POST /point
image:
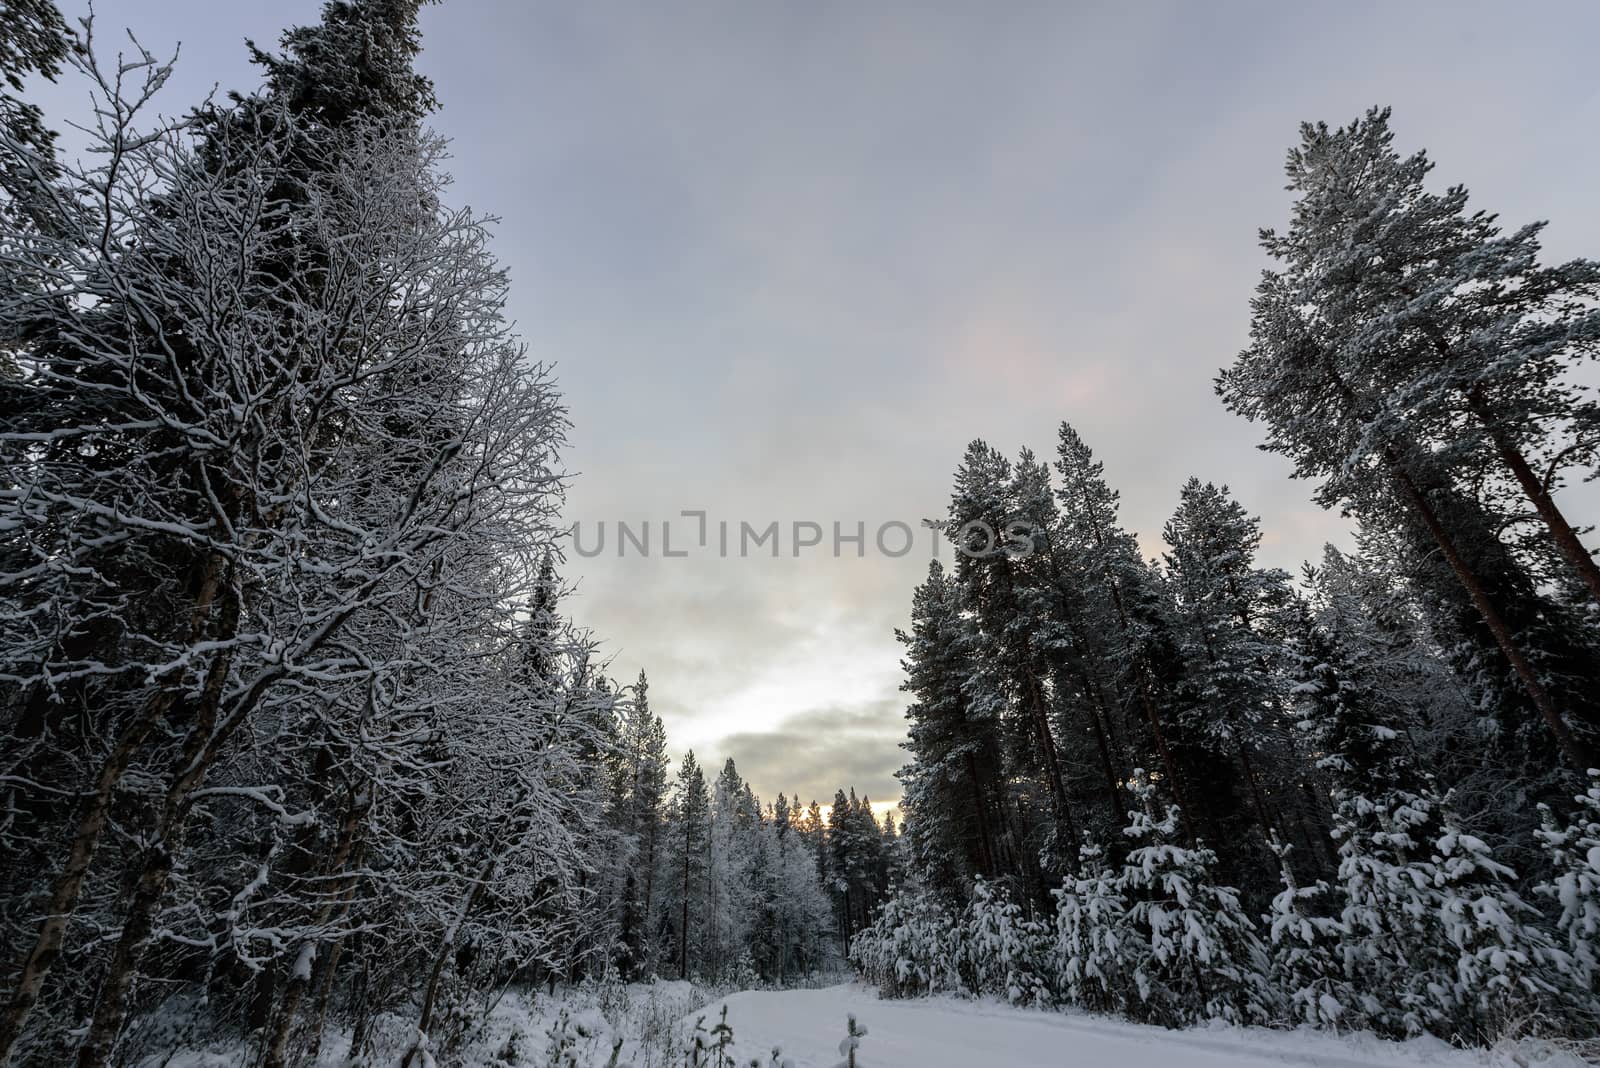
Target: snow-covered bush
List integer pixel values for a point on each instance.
(850, 1043)
(561, 1049)
(1574, 883)
(1195, 954)
(1306, 967)
(1506, 968)
(1092, 939)
(1003, 953)
(912, 947)
(1392, 946)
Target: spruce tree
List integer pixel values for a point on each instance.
(689, 836)
(1506, 968)
(1307, 969)
(1094, 944)
(642, 793)
(1572, 849)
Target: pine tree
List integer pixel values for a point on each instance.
(690, 838)
(1198, 957)
(1573, 851)
(989, 521)
(1229, 616)
(1094, 944)
(952, 782)
(843, 865)
(1126, 613)
(1366, 357)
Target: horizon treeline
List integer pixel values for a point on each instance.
(1401, 734)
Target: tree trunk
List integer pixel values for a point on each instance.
(447, 944)
(986, 857)
(1169, 765)
(1533, 487)
(1574, 750)
(683, 924)
(289, 1005)
(51, 932)
(1141, 671)
(1100, 722)
(58, 912)
(199, 751)
(1052, 766)
(1267, 827)
(204, 744)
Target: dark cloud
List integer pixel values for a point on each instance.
(825, 750)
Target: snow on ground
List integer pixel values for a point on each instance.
(656, 1018)
(952, 1033)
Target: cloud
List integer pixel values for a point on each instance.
(791, 259)
(823, 750)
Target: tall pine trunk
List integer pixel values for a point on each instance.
(683, 923)
(1533, 487)
(1047, 753)
(980, 807)
(1574, 750)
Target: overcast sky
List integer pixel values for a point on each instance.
(790, 258)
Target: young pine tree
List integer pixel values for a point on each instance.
(1573, 888)
(1196, 955)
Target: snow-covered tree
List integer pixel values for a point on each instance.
(1126, 622)
(1093, 940)
(1195, 953)
(684, 898)
(1573, 887)
(1307, 970)
(912, 947)
(640, 795)
(1005, 954)
(1402, 344)
(952, 782)
(1228, 607)
(1506, 968)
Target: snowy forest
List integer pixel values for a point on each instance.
(1196, 788)
(294, 729)
(299, 736)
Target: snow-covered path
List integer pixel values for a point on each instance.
(950, 1033)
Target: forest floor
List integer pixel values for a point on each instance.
(657, 1019)
(953, 1033)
